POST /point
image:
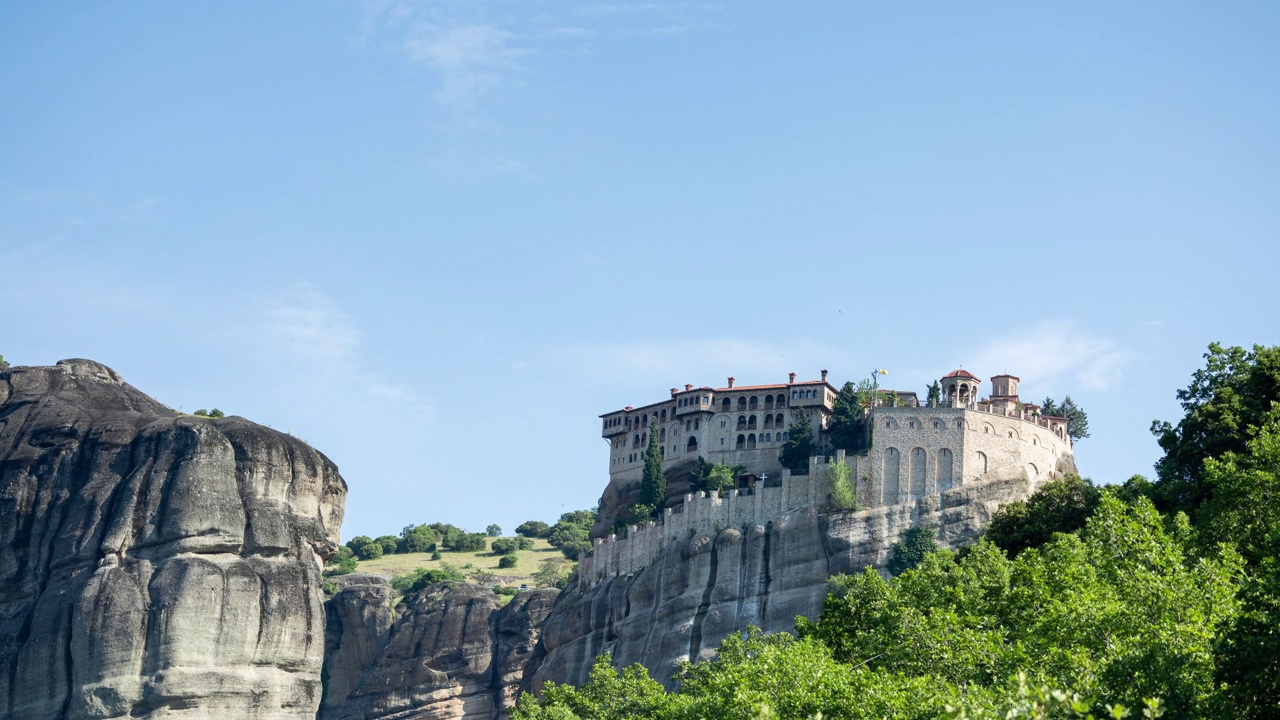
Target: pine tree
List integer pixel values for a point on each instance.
(799, 446)
(935, 395)
(846, 419)
(653, 486)
(1077, 419)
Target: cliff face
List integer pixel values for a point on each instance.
(154, 564)
(451, 653)
(716, 583)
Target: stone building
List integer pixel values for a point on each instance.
(914, 450)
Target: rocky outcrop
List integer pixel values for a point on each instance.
(154, 564)
(715, 583)
(452, 652)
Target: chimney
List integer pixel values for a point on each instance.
(687, 388)
(792, 377)
(824, 376)
(673, 392)
(730, 382)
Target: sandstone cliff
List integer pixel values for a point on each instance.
(715, 583)
(451, 653)
(154, 564)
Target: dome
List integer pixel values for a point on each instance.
(960, 374)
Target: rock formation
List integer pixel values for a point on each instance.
(718, 582)
(154, 564)
(452, 652)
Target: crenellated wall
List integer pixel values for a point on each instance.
(915, 452)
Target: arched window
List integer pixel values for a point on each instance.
(782, 399)
(664, 415)
(892, 465)
(982, 464)
(944, 469)
(662, 435)
(662, 451)
(692, 445)
(768, 421)
(742, 403)
(751, 423)
(768, 402)
(725, 405)
(742, 442)
(768, 437)
(751, 441)
(777, 420)
(753, 403)
(742, 422)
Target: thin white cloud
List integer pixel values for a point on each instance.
(700, 362)
(1054, 353)
(321, 350)
(469, 60)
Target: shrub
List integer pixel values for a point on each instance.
(843, 496)
(390, 544)
(507, 561)
(533, 529)
(524, 543)
(507, 590)
(422, 577)
(504, 546)
(3, 365)
(355, 542)
(369, 551)
(554, 573)
(910, 549)
(341, 565)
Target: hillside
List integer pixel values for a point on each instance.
(528, 562)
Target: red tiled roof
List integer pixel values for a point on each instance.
(960, 374)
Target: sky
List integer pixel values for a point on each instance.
(437, 239)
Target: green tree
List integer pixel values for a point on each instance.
(493, 530)
(390, 544)
(571, 534)
(607, 695)
(533, 529)
(355, 542)
(504, 546)
(1077, 419)
(846, 420)
(911, 548)
(423, 578)
(555, 572)
(369, 551)
(934, 398)
(653, 484)
(3, 364)
(799, 445)
(523, 543)
(843, 492)
(507, 561)
(1233, 392)
(1128, 609)
(1059, 506)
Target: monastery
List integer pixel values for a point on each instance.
(914, 449)
(920, 459)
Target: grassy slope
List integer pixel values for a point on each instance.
(528, 562)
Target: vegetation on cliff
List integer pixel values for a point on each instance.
(1159, 597)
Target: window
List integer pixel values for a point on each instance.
(751, 423)
(723, 423)
(742, 442)
(692, 445)
(725, 404)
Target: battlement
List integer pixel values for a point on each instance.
(706, 512)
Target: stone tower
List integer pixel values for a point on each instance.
(960, 388)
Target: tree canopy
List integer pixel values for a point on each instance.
(799, 445)
(1232, 393)
(1077, 419)
(653, 484)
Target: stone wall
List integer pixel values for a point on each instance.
(916, 452)
(705, 512)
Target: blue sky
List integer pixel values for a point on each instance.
(437, 239)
